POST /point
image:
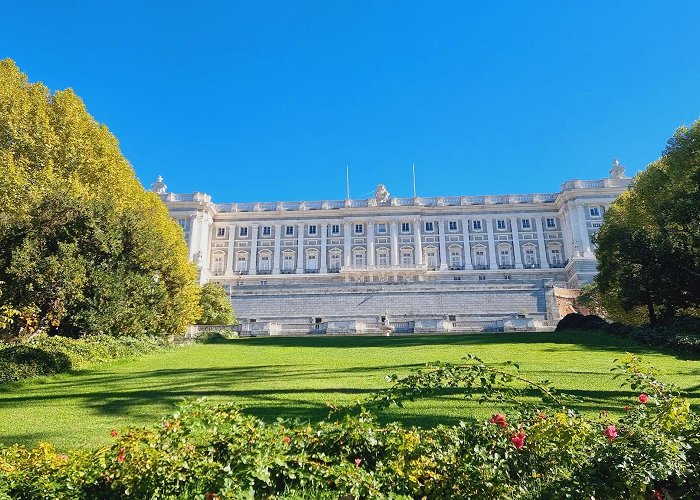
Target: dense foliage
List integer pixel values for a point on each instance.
(649, 246)
(83, 248)
(45, 355)
(216, 306)
(543, 451)
(680, 334)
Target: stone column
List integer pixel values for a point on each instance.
(276, 255)
(231, 249)
(347, 248)
(194, 229)
(394, 243)
(466, 246)
(544, 263)
(567, 233)
(300, 248)
(324, 245)
(417, 243)
(516, 243)
(493, 262)
(253, 266)
(583, 228)
(443, 245)
(370, 243)
(207, 231)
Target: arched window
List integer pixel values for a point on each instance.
(242, 262)
(265, 261)
(288, 261)
(479, 256)
(431, 257)
(383, 257)
(455, 256)
(336, 257)
(358, 257)
(556, 259)
(312, 260)
(530, 257)
(217, 263)
(504, 256)
(406, 256)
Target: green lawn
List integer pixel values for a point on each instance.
(296, 376)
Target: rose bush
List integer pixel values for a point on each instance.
(543, 450)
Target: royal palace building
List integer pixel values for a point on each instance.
(453, 263)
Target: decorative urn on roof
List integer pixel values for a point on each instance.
(159, 186)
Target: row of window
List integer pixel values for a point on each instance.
(359, 229)
(504, 259)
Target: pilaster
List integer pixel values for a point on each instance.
(466, 247)
(231, 249)
(493, 262)
(324, 246)
(417, 243)
(253, 266)
(276, 255)
(370, 243)
(544, 263)
(300, 248)
(443, 245)
(347, 244)
(516, 243)
(394, 243)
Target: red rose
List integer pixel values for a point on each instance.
(541, 415)
(643, 398)
(114, 433)
(627, 408)
(518, 440)
(122, 455)
(499, 420)
(610, 432)
(287, 439)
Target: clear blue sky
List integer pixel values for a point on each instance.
(270, 100)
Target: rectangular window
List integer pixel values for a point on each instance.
(476, 225)
(359, 229)
(312, 229)
(526, 224)
(243, 232)
(289, 230)
(381, 228)
(220, 232)
(335, 228)
(551, 223)
(594, 211)
(266, 231)
(501, 224)
(429, 227)
(453, 225)
(405, 227)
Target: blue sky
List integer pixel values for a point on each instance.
(271, 100)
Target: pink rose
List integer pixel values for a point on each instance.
(518, 440)
(358, 461)
(499, 420)
(643, 398)
(610, 432)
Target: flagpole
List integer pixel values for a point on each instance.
(414, 179)
(347, 180)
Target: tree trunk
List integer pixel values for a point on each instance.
(652, 313)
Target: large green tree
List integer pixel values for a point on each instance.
(83, 247)
(649, 246)
(216, 306)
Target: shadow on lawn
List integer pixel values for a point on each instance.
(596, 341)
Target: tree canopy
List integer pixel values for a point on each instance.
(649, 246)
(83, 247)
(216, 306)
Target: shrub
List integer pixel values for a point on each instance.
(46, 355)
(547, 450)
(576, 321)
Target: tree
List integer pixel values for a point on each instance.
(649, 246)
(216, 306)
(83, 247)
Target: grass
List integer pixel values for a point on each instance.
(296, 376)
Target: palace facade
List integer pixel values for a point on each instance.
(419, 264)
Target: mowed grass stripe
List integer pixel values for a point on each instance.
(295, 377)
